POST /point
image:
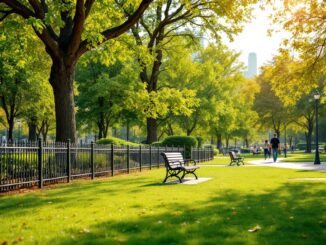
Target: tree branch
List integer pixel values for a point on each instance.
(118, 30)
(77, 31)
(19, 8)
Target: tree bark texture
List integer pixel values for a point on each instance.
(151, 130)
(32, 130)
(62, 79)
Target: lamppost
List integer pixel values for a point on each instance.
(316, 97)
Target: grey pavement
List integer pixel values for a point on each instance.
(291, 165)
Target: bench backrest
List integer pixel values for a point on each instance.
(172, 159)
(232, 155)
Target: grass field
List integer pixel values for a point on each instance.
(137, 209)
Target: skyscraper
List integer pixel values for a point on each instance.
(252, 66)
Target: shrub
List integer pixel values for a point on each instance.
(115, 141)
(209, 146)
(157, 143)
(301, 146)
(216, 152)
(187, 141)
(245, 150)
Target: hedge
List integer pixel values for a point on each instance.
(115, 141)
(182, 141)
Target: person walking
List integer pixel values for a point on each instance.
(275, 147)
(266, 150)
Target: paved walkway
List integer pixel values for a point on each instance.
(292, 165)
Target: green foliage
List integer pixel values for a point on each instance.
(216, 152)
(182, 141)
(199, 141)
(301, 146)
(115, 141)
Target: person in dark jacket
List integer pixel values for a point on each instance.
(275, 143)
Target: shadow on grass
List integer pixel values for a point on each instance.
(67, 194)
(291, 214)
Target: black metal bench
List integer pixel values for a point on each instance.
(175, 165)
(235, 159)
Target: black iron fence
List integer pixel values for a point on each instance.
(38, 164)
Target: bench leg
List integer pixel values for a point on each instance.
(171, 173)
(166, 176)
(183, 175)
(194, 174)
(190, 172)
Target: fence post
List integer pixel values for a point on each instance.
(150, 157)
(198, 154)
(40, 161)
(184, 152)
(68, 162)
(92, 160)
(112, 159)
(140, 158)
(128, 158)
(158, 157)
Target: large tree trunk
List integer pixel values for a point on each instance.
(62, 79)
(32, 128)
(151, 130)
(219, 141)
(247, 142)
(308, 141)
(128, 130)
(10, 130)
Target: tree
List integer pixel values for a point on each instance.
(271, 110)
(103, 92)
(167, 21)
(16, 89)
(68, 29)
(305, 20)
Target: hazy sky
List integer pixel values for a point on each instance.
(254, 38)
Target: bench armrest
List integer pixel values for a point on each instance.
(187, 161)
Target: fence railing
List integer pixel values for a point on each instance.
(202, 154)
(40, 163)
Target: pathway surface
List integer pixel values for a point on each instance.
(292, 165)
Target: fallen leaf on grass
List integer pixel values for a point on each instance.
(4, 243)
(19, 239)
(84, 230)
(255, 229)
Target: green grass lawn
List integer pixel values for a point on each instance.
(137, 209)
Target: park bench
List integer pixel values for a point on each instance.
(235, 159)
(175, 165)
